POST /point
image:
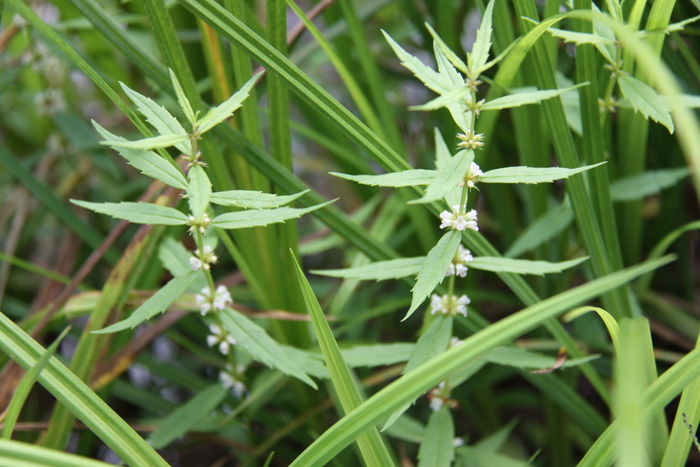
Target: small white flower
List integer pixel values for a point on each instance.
(455, 341)
(449, 304)
(458, 442)
(195, 263)
(436, 404)
(228, 380)
(198, 225)
(221, 337)
(206, 302)
(458, 265)
(459, 220)
(473, 175)
(49, 102)
(204, 260)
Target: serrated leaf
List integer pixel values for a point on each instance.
(377, 354)
(479, 55)
(260, 218)
(252, 199)
(442, 157)
(432, 342)
(459, 111)
(525, 98)
(444, 100)
(148, 162)
(224, 110)
(158, 303)
(525, 359)
(679, 26)
(447, 179)
(645, 100)
(163, 141)
(395, 179)
(198, 191)
(579, 38)
(254, 340)
(174, 256)
(436, 449)
(522, 266)
(310, 363)
(138, 213)
(543, 229)
(449, 54)
(601, 29)
(379, 271)
(531, 174)
(160, 118)
(434, 268)
(645, 184)
(182, 99)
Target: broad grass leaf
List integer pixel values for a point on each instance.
(479, 55)
(434, 268)
(379, 271)
(198, 191)
(23, 454)
(162, 141)
(148, 162)
(543, 229)
(522, 266)
(645, 100)
(395, 179)
(525, 98)
(224, 110)
(531, 174)
(182, 99)
(188, 415)
(437, 449)
(431, 78)
(158, 303)
(138, 213)
(252, 199)
(259, 218)
(447, 179)
(377, 354)
(525, 359)
(254, 340)
(639, 186)
(162, 121)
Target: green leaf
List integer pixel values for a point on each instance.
(162, 121)
(259, 218)
(437, 449)
(608, 320)
(254, 340)
(163, 141)
(309, 362)
(379, 271)
(18, 454)
(25, 386)
(175, 258)
(371, 446)
(447, 179)
(459, 111)
(377, 354)
(395, 179)
(522, 266)
(252, 199)
(432, 342)
(543, 229)
(443, 156)
(645, 100)
(524, 359)
(449, 54)
(579, 38)
(638, 186)
(199, 191)
(494, 442)
(407, 429)
(434, 268)
(467, 456)
(138, 213)
(525, 98)
(184, 418)
(182, 99)
(443, 100)
(148, 162)
(531, 174)
(158, 303)
(224, 110)
(479, 55)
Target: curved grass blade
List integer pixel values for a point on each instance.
(18, 454)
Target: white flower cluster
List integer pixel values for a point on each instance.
(201, 225)
(228, 380)
(449, 304)
(470, 140)
(458, 266)
(221, 337)
(458, 219)
(206, 302)
(203, 260)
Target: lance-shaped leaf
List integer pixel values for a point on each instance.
(254, 340)
(259, 218)
(644, 99)
(224, 110)
(525, 98)
(459, 111)
(199, 191)
(673, 27)
(646, 184)
(252, 199)
(138, 213)
(521, 266)
(437, 448)
(443, 156)
(158, 303)
(182, 99)
(379, 271)
(449, 54)
(377, 354)
(160, 118)
(479, 55)
(543, 229)
(395, 179)
(444, 100)
(531, 174)
(148, 162)
(434, 268)
(447, 179)
(525, 359)
(163, 141)
(579, 38)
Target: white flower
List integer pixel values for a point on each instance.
(228, 380)
(458, 220)
(206, 303)
(200, 225)
(458, 442)
(473, 175)
(50, 101)
(220, 336)
(455, 341)
(458, 265)
(449, 304)
(195, 263)
(204, 260)
(436, 404)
